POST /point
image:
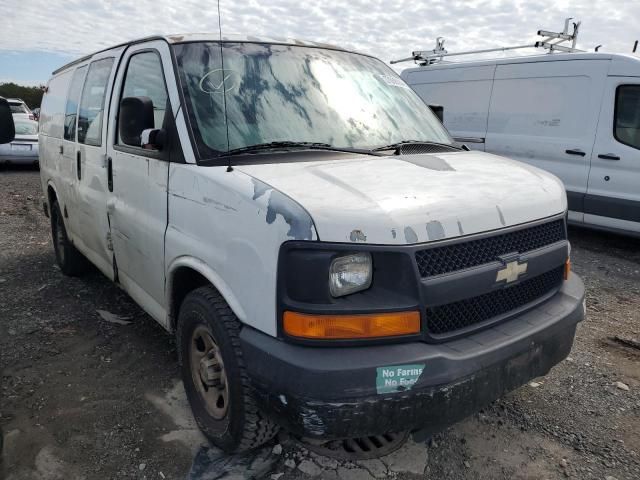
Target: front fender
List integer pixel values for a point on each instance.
(211, 275)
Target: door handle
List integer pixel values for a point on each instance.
(575, 151)
(61, 149)
(608, 156)
(109, 174)
(79, 165)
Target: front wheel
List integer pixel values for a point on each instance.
(214, 375)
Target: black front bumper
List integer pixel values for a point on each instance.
(328, 393)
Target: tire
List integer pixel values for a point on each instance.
(214, 375)
(70, 260)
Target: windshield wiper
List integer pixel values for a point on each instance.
(395, 146)
(298, 145)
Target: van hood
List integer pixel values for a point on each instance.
(414, 198)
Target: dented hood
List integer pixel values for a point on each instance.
(414, 198)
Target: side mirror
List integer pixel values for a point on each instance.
(7, 127)
(136, 116)
(153, 139)
(438, 110)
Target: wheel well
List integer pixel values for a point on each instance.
(184, 280)
(51, 195)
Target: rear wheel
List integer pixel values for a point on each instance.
(70, 260)
(214, 375)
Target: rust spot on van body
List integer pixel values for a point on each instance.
(435, 230)
(501, 215)
(357, 236)
(410, 235)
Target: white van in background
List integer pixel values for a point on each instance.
(576, 115)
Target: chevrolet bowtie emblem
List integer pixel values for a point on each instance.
(511, 272)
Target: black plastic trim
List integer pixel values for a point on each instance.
(575, 151)
(332, 393)
(603, 206)
(303, 286)
(472, 282)
(619, 208)
(402, 292)
(607, 156)
(493, 321)
(575, 201)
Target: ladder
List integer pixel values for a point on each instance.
(551, 41)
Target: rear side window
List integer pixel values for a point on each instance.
(28, 127)
(53, 105)
(71, 112)
(145, 78)
(92, 102)
(626, 126)
(18, 107)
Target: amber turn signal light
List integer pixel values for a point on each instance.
(344, 327)
(567, 268)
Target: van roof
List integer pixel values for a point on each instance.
(208, 37)
(624, 62)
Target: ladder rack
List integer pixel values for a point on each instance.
(552, 41)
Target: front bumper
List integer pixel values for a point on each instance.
(19, 159)
(328, 393)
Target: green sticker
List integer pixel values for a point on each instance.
(397, 378)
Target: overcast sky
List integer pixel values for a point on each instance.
(38, 35)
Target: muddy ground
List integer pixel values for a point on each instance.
(84, 398)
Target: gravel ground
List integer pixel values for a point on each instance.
(85, 398)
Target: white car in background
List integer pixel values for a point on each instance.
(19, 109)
(23, 150)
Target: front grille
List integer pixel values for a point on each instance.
(459, 256)
(471, 311)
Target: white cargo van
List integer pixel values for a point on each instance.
(329, 260)
(576, 115)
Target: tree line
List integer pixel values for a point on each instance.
(32, 96)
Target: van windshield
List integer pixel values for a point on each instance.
(285, 93)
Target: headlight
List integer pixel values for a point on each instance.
(350, 274)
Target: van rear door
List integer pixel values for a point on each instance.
(613, 197)
(546, 113)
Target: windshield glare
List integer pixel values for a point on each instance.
(290, 93)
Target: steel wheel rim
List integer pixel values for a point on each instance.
(208, 372)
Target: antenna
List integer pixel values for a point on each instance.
(551, 41)
(224, 88)
(635, 46)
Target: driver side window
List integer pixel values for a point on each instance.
(145, 79)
